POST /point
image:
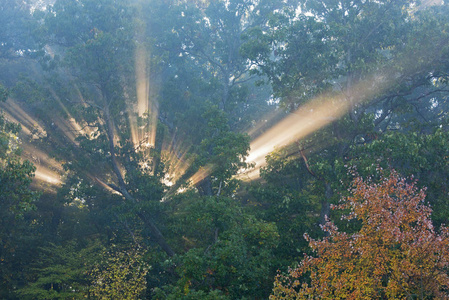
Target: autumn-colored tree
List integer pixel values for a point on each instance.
(395, 255)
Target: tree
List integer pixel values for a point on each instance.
(16, 200)
(96, 53)
(227, 251)
(423, 155)
(102, 59)
(210, 35)
(17, 23)
(396, 254)
(113, 184)
(287, 197)
(361, 54)
(205, 79)
(61, 272)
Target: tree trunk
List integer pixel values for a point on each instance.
(325, 203)
(205, 187)
(156, 234)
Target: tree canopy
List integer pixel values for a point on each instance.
(173, 149)
(396, 253)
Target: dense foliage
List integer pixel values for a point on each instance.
(127, 129)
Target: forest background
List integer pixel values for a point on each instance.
(182, 149)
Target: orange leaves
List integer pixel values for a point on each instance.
(396, 254)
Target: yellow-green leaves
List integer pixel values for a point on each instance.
(122, 276)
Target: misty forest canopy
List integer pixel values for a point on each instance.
(239, 149)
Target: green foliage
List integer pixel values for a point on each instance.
(223, 149)
(333, 48)
(228, 251)
(120, 275)
(207, 91)
(174, 293)
(16, 201)
(424, 156)
(15, 174)
(3, 93)
(202, 62)
(61, 272)
(29, 91)
(17, 25)
(9, 140)
(291, 199)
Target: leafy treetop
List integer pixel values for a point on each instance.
(396, 254)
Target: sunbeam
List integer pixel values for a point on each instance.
(48, 170)
(309, 118)
(142, 92)
(69, 126)
(143, 116)
(30, 126)
(40, 158)
(43, 174)
(175, 152)
(202, 173)
(146, 108)
(142, 82)
(181, 164)
(327, 108)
